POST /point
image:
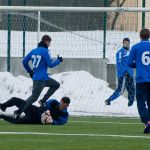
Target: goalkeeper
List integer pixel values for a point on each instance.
(41, 60)
(55, 114)
(124, 74)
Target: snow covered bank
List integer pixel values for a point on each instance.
(87, 93)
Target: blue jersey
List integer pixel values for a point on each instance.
(140, 58)
(41, 60)
(121, 61)
(60, 117)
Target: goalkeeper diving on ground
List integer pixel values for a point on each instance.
(124, 74)
(55, 114)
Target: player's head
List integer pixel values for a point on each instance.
(126, 43)
(64, 103)
(46, 39)
(145, 34)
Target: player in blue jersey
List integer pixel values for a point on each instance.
(139, 58)
(124, 74)
(55, 114)
(41, 60)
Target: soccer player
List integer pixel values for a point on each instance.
(139, 58)
(41, 60)
(124, 74)
(55, 114)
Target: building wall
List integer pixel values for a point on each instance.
(131, 21)
(97, 67)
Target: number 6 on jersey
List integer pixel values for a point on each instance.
(146, 58)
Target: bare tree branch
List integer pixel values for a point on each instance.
(114, 21)
(110, 2)
(117, 14)
(122, 3)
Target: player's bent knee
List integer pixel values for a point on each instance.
(57, 85)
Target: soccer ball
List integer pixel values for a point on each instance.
(46, 118)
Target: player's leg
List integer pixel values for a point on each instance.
(11, 119)
(129, 84)
(148, 99)
(147, 129)
(120, 89)
(32, 116)
(12, 102)
(141, 97)
(34, 113)
(36, 91)
(54, 85)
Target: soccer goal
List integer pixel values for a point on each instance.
(87, 38)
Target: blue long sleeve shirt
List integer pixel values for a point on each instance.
(41, 60)
(60, 117)
(121, 63)
(140, 58)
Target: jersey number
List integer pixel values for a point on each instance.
(146, 58)
(36, 60)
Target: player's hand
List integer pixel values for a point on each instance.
(49, 120)
(47, 112)
(127, 74)
(31, 74)
(60, 58)
(46, 118)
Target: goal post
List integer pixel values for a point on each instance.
(74, 9)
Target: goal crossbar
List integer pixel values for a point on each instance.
(74, 9)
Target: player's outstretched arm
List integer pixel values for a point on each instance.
(51, 63)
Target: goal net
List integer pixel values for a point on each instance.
(87, 38)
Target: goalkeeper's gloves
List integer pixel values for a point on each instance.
(31, 74)
(46, 118)
(49, 120)
(59, 58)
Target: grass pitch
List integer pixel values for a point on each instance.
(81, 133)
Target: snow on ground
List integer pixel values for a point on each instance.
(87, 93)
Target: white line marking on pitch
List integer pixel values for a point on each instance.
(94, 122)
(69, 134)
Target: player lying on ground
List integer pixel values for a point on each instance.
(56, 113)
(124, 74)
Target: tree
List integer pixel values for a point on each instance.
(119, 3)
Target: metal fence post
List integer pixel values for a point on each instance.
(104, 29)
(143, 14)
(38, 28)
(24, 31)
(8, 38)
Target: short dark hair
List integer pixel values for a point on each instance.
(66, 100)
(46, 38)
(126, 39)
(145, 34)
